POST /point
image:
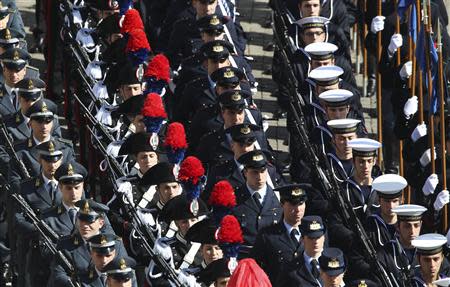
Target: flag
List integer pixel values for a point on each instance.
(402, 6)
(413, 23)
(421, 62)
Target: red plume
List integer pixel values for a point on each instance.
(132, 20)
(159, 68)
(230, 230)
(153, 107)
(191, 169)
(137, 40)
(222, 194)
(176, 136)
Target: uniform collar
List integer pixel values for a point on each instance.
(262, 191)
(68, 208)
(180, 238)
(8, 89)
(38, 142)
(290, 227)
(46, 180)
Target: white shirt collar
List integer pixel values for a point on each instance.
(46, 180)
(25, 118)
(8, 89)
(290, 227)
(262, 192)
(67, 207)
(38, 142)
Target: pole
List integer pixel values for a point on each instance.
(378, 79)
(442, 117)
(418, 73)
(364, 50)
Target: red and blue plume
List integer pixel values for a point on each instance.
(157, 74)
(124, 6)
(229, 236)
(222, 200)
(153, 112)
(132, 20)
(175, 142)
(137, 47)
(192, 177)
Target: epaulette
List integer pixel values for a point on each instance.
(65, 141)
(205, 107)
(32, 68)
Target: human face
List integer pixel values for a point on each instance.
(336, 113)
(309, 8)
(317, 63)
(49, 168)
(211, 252)
(71, 193)
(363, 166)
(313, 35)
(408, 231)
(293, 213)
(168, 190)
(341, 143)
(232, 117)
(215, 65)
(111, 282)
(146, 159)
(430, 265)
(256, 177)
(222, 282)
(113, 37)
(332, 281)
(241, 148)
(89, 229)
(42, 130)
(184, 225)
(313, 246)
(204, 9)
(386, 206)
(128, 91)
(12, 76)
(4, 22)
(101, 260)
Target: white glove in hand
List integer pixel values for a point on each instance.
(145, 217)
(419, 131)
(126, 189)
(430, 184)
(187, 280)
(377, 24)
(441, 200)
(406, 70)
(163, 249)
(411, 106)
(396, 42)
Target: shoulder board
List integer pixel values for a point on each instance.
(32, 68)
(66, 141)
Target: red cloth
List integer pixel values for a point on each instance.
(248, 274)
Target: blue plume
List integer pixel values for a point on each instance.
(175, 156)
(153, 125)
(124, 6)
(138, 57)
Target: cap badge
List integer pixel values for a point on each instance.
(75, 241)
(232, 264)
(44, 108)
(194, 207)
(154, 141)
(214, 20)
(228, 74)
(30, 84)
(51, 147)
(16, 56)
(7, 34)
(297, 192)
(362, 283)
(217, 48)
(85, 208)
(258, 157)
(315, 226)
(70, 171)
(245, 130)
(140, 73)
(334, 263)
(236, 97)
(113, 4)
(122, 264)
(103, 240)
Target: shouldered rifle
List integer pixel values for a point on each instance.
(47, 235)
(11, 151)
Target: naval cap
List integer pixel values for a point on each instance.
(233, 99)
(50, 151)
(42, 108)
(389, 185)
(332, 261)
(336, 97)
(30, 88)
(15, 58)
(294, 193)
(212, 23)
(243, 133)
(362, 283)
(343, 126)
(312, 22)
(217, 50)
(326, 75)
(227, 76)
(409, 212)
(430, 243)
(321, 51)
(364, 147)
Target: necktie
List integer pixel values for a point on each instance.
(50, 189)
(315, 268)
(257, 197)
(73, 215)
(15, 101)
(294, 234)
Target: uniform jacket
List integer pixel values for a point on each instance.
(297, 274)
(19, 129)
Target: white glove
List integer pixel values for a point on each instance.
(377, 24)
(441, 200)
(162, 248)
(406, 70)
(187, 280)
(126, 189)
(430, 184)
(146, 218)
(419, 131)
(113, 148)
(396, 42)
(411, 106)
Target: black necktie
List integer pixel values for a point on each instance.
(50, 189)
(315, 268)
(256, 196)
(294, 234)
(73, 215)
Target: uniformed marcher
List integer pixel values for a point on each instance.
(433, 265)
(332, 267)
(120, 272)
(9, 38)
(274, 246)
(381, 224)
(304, 270)
(216, 274)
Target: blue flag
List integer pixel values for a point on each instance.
(413, 23)
(403, 5)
